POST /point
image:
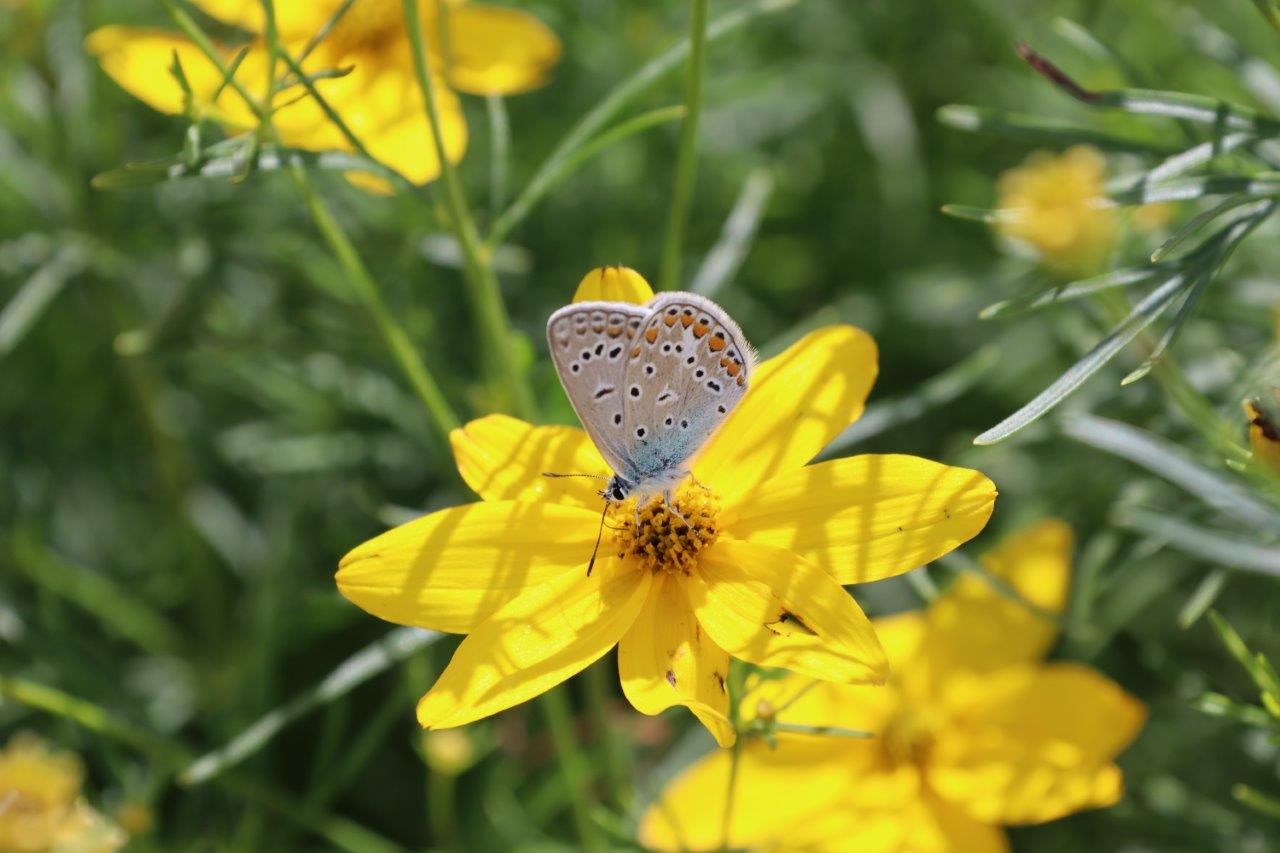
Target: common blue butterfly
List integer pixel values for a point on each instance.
(650, 383)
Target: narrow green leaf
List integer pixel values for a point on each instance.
(33, 298)
(545, 182)
(1264, 185)
(1143, 315)
(939, 390)
(1033, 128)
(1220, 547)
(1205, 594)
(1075, 290)
(1217, 705)
(623, 93)
(1168, 461)
(1262, 803)
(728, 253)
(972, 214)
(1199, 221)
(354, 671)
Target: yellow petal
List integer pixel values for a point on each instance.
(797, 403)
(613, 284)
(548, 633)
(294, 18)
(139, 61)
(974, 627)
(801, 700)
(767, 606)
(503, 458)
(490, 50)
(452, 569)
(381, 103)
(925, 825)
(665, 659)
(1032, 744)
(776, 790)
(867, 517)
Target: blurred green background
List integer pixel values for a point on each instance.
(196, 421)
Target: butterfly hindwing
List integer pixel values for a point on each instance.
(590, 343)
(688, 368)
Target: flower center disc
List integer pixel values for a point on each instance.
(909, 737)
(667, 538)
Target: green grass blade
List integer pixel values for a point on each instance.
(937, 391)
(354, 671)
(35, 296)
(1166, 460)
(1222, 548)
(726, 256)
(548, 174)
(973, 119)
(1143, 315)
(1075, 290)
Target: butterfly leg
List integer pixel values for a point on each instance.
(672, 508)
(699, 483)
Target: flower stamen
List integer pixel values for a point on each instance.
(667, 537)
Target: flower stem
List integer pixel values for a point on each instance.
(613, 749)
(482, 283)
(393, 334)
(737, 682)
(687, 150)
(573, 766)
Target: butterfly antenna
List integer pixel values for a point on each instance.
(555, 476)
(599, 535)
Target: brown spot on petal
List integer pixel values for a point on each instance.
(671, 677)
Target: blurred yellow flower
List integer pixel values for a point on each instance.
(40, 806)
(472, 48)
(1152, 217)
(1056, 204)
(448, 751)
(754, 569)
(1264, 433)
(973, 733)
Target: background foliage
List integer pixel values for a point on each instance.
(196, 420)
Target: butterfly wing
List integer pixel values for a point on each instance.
(689, 367)
(590, 342)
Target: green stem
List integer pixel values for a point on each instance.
(482, 283)
(395, 336)
(687, 150)
(442, 809)
(613, 749)
(170, 755)
(573, 766)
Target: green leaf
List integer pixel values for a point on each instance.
(1143, 315)
(1205, 594)
(1076, 289)
(973, 119)
(1222, 548)
(726, 256)
(1168, 461)
(1263, 185)
(972, 214)
(354, 671)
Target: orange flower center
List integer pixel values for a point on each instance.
(370, 26)
(667, 538)
(909, 736)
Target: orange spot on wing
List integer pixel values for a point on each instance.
(742, 380)
(700, 330)
(733, 369)
(669, 320)
(716, 344)
(686, 320)
(635, 353)
(614, 331)
(651, 335)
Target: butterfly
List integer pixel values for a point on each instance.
(651, 383)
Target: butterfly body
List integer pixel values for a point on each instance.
(650, 383)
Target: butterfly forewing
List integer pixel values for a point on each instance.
(590, 343)
(688, 368)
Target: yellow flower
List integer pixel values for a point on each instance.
(1264, 433)
(754, 568)
(1056, 204)
(40, 809)
(480, 50)
(974, 732)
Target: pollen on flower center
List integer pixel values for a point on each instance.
(909, 736)
(667, 538)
